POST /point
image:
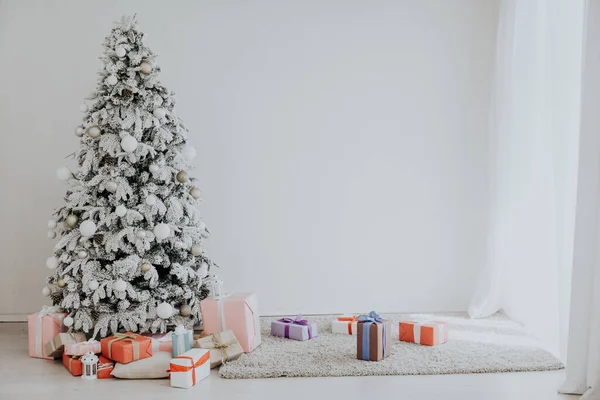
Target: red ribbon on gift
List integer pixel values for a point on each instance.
(187, 368)
(350, 320)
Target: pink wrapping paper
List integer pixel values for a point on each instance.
(79, 349)
(160, 341)
(237, 312)
(42, 327)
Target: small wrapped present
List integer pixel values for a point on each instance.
(223, 347)
(42, 327)
(429, 333)
(126, 347)
(189, 368)
(55, 347)
(345, 324)
(297, 328)
(75, 366)
(183, 339)
(79, 349)
(238, 312)
(160, 342)
(373, 337)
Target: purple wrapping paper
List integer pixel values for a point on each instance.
(296, 332)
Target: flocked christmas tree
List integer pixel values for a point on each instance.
(130, 249)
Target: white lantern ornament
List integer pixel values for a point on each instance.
(90, 366)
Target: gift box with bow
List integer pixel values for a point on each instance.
(345, 324)
(294, 328)
(161, 341)
(182, 340)
(223, 347)
(126, 347)
(80, 348)
(373, 337)
(75, 366)
(42, 327)
(55, 347)
(189, 368)
(428, 333)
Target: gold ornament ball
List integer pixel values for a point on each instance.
(94, 132)
(182, 177)
(72, 220)
(185, 310)
(145, 67)
(195, 192)
(146, 267)
(61, 283)
(196, 250)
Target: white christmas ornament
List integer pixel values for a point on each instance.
(141, 234)
(52, 262)
(121, 210)
(129, 144)
(196, 250)
(120, 51)
(46, 291)
(195, 192)
(72, 220)
(153, 168)
(82, 254)
(83, 108)
(151, 200)
(145, 67)
(87, 228)
(93, 284)
(120, 285)
(111, 80)
(111, 186)
(189, 152)
(52, 224)
(79, 131)
(160, 113)
(203, 270)
(63, 173)
(94, 132)
(51, 234)
(162, 231)
(90, 366)
(68, 321)
(164, 310)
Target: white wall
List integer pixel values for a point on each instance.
(341, 143)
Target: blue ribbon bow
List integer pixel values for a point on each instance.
(368, 319)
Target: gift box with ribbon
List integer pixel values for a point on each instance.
(223, 347)
(429, 333)
(182, 340)
(82, 347)
(55, 347)
(75, 366)
(42, 327)
(294, 328)
(237, 312)
(126, 347)
(189, 368)
(345, 324)
(373, 337)
(161, 341)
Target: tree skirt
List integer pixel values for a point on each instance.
(495, 344)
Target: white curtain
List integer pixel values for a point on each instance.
(583, 361)
(533, 147)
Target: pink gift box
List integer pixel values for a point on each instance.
(237, 312)
(42, 327)
(160, 341)
(79, 349)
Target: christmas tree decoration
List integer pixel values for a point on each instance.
(68, 321)
(82, 254)
(87, 228)
(90, 366)
(185, 310)
(138, 254)
(189, 152)
(111, 80)
(162, 231)
(164, 310)
(129, 144)
(195, 193)
(182, 177)
(94, 132)
(51, 234)
(52, 262)
(83, 108)
(63, 173)
(121, 210)
(61, 283)
(52, 224)
(79, 131)
(196, 250)
(46, 291)
(72, 220)
(145, 67)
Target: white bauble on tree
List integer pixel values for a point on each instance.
(120, 51)
(140, 234)
(196, 250)
(189, 152)
(52, 224)
(68, 321)
(151, 200)
(145, 67)
(195, 192)
(52, 262)
(82, 254)
(94, 132)
(162, 231)
(79, 131)
(93, 284)
(120, 285)
(111, 80)
(153, 168)
(87, 228)
(121, 210)
(63, 173)
(111, 186)
(83, 108)
(164, 310)
(51, 234)
(160, 113)
(129, 144)
(46, 291)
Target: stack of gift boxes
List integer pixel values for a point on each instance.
(231, 327)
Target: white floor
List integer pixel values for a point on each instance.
(22, 377)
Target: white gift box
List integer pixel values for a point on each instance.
(190, 368)
(344, 324)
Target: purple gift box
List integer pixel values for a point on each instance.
(297, 328)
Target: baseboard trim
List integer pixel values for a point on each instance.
(13, 317)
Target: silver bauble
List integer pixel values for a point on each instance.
(140, 234)
(145, 67)
(52, 224)
(195, 192)
(196, 250)
(79, 131)
(51, 234)
(151, 200)
(111, 186)
(164, 310)
(82, 254)
(153, 168)
(94, 132)
(182, 177)
(46, 291)
(185, 310)
(72, 220)
(120, 51)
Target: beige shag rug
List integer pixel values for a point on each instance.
(495, 344)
